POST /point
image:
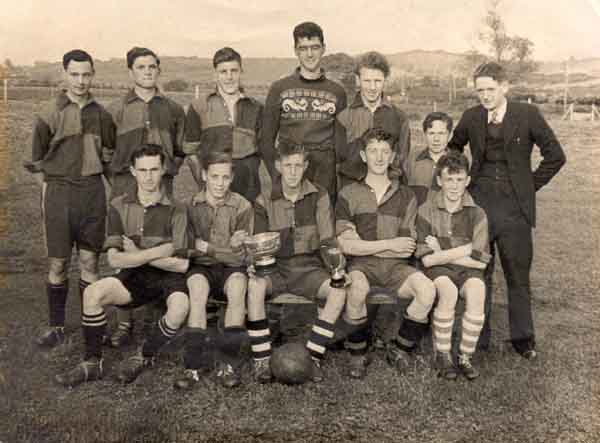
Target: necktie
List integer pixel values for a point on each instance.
(495, 117)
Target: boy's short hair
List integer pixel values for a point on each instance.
(226, 55)
(136, 52)
(78, 55)
(490, 69)
(454, 161)
(377, 134)
(215, 157)
(308, 30)
(372, 60)
(285, 148)
(148, 150)
(437, 116)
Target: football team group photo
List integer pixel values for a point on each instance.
(324, 243)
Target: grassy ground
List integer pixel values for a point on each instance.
(554, 399)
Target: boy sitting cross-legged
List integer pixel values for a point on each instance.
(453, 246)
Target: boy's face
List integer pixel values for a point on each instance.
(453, 184)
(79, 77)
(291, 168)
(378, 155)
(227, 76)
(218, 178)
(372, 82)
(145, 71)
(148, 172)
(309, 52)
(491, 93)
(437, 137)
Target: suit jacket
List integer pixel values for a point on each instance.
(524, 126)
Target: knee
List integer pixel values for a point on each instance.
(178, 304)
(198, 285)
(447, 293)
(358, 291)
(88, 263)
(94, 296)
(257, 290)
(336, 300)
(474, 293)
(57, 270)
(424, 290)
(236, 286)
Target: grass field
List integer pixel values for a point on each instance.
(554, 399)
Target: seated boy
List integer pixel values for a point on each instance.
(376, 228)
(421, 164)
(219, 220)
(453, 246)
(301, 212)
(144, 232)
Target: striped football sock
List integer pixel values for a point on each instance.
(321, 333)
(94, 328)
(442, 330)
(160, 336)
(260, 338)
(471, 328)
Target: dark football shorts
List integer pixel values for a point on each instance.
(246, 181)
(456, 273)
(74, 213)
(147, 284)
(302, 275)
(217, 275)
(389, 273)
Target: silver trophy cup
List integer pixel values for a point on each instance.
(261, 248)
(335, 261)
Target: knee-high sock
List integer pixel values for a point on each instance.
(159, 337)
(195, 355)
(471, 328)
(442, 330)
(357, 340)
(260, 338)
(82, 285)
(321, 333)
(57, 299)
(94, 328)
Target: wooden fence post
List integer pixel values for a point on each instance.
(197, 92)
(5, 91)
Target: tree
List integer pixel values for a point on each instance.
(494, 34)
(9, 65)
(522, 52)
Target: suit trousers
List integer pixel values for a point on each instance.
(511, 236)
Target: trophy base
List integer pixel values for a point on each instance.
(265, 269)
(338, 283)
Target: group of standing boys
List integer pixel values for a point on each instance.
(305, 165)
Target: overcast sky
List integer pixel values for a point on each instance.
(44, 30)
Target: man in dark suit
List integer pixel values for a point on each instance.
(501, 135)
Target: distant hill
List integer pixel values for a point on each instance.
(421, 62)
(263, 71)
(590, 66)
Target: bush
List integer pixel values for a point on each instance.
(176, 85)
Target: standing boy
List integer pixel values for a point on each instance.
(143, 115)
(301, 109)
(370, 109)
(421, 165)
(227, 120)
(71, 139)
